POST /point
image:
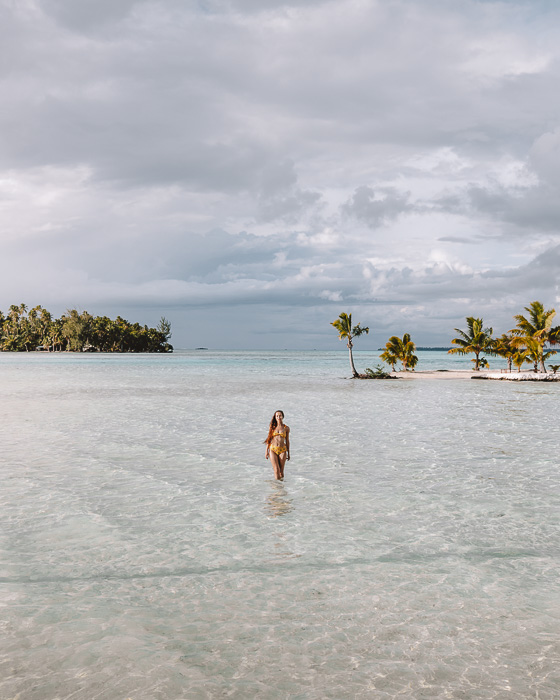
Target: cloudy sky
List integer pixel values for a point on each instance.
(251, 168)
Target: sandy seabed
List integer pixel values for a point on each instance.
(412, 551)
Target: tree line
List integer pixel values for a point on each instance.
(23, 329)
(529, 342)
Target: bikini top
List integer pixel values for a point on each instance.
(281, 434)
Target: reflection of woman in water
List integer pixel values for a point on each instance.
(278, 444)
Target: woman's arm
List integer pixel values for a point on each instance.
(288, 442)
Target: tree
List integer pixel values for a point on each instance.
(477, 339)
(403, 350)
(388, 355)
(346, 331)
(535, 353)
(77, 329)
(535, 331)
(504, 348)
(42, 320)
(164, 327)
(56, 335)
(12, 336)
(519, 359)
(26, 330)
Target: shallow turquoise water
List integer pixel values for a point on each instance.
(145, 551)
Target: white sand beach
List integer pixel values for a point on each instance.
(436, 374)
(482, 374)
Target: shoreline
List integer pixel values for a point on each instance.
(435, 374)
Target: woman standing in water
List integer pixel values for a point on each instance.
(278, 444)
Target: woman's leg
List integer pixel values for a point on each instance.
(282, 461)
(276, 465)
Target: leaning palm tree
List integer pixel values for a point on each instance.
(477, 339)
(400, 349)
(346, 331)
(535, 331)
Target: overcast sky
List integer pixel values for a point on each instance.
(251, 168)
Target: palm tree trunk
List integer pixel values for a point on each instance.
(354, 372)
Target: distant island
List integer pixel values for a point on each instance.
(23, 329)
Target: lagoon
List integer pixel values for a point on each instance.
(146, 552)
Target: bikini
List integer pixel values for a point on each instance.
(279, 450)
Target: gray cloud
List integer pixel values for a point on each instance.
(229, 153)
(458, 239)
(87, 14)
(537, 209)
(376, 207)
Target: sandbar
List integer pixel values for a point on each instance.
(442, 374)
(436, 374)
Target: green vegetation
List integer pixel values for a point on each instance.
(400, 350)
(530, 341)
(475, 340)
(524, 343)
(519, 359)
(534, 332)
(378, 373)
(503, 348)
(346, 331)
(23, 330)
(533, 352)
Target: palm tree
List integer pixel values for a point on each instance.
(24, 330)
(346, 331)
(44, 322)
(403, 350)
(389, 355)
(554, 336)
(534, 353)
(77, 329)
(11, 332)
(55, 335)
(535, 331)
(504, 348)
(519, 359)
(477, 339)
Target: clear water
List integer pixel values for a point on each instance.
(412, 551)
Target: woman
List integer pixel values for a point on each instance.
(278, 444)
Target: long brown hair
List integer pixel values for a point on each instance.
(272, 426)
